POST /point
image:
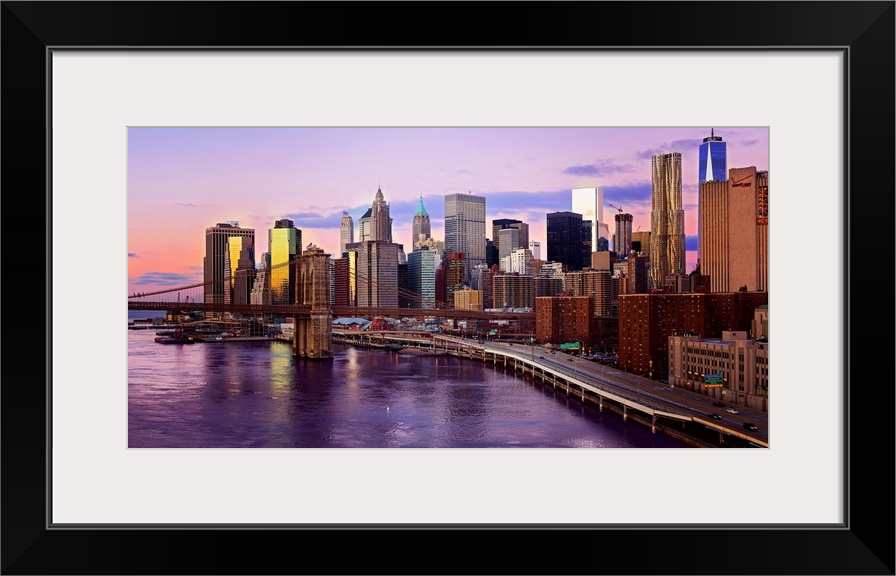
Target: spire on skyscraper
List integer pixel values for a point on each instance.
(420, 209)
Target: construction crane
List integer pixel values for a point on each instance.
(616, 207)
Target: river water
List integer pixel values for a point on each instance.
(255, 394)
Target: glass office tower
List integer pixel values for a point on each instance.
(284, 243)
(465, 229)
(713, 163)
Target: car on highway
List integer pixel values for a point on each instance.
(732, 411)
(717, 403)
(750, 426)
(541, 357)
(714, 416)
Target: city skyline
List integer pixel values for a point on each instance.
(182, 181)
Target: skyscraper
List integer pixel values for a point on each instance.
(346, 232)
(564, 231)
(453, 271)
(587, 246)
(380, 221)
(589, 202)
(377, 274)
(228, 249)
(713, 164)
(284, 242)
(667, 242)
(508, 240)
(422, 266)
(465, 229)
(505, 223)
(622, 243)
(734, 231)
(712, 167)
(421, 228)
(364, 233)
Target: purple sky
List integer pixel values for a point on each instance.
(184, 180)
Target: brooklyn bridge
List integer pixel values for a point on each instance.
(312, 311)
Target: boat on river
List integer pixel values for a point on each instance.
(174, 340)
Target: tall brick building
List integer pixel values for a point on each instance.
(646, 321)
(560, 319)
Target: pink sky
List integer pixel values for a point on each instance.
(184, 180)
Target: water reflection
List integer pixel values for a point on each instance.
(258, 395)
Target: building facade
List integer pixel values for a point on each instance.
(522, 262)
(734, 231)
(589, 202)
(667, 250)
(380, 221)
(641, 242)
(422, 266)
(284, 243)
(467, 299)
(364, 227)
(646, 321)
(346, 232)
(535, 248)
(486, 284)
(564, 235)
(587, 246)
(340, 283)
(732, 368)
(713, 159)
(465, 229)
(513, 291)
(454, 267)
(377, 274)
(261, 288)
(637, 274)
(622, 241)
(598, 285)
(522, 238)
(564, 319)
(508, 241)
(421, 228)
(228, 249)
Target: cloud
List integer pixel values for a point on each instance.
(132, 255)
(631, 194)
(750, 142)
(691, 243)
(603, 167)
(586, 170)
(649, 153)
(187, 204)
(317, 219)
(684, 146)
(514, 201)
(166, 279)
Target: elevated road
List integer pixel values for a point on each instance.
(598, 383)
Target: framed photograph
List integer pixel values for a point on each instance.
(80, 79)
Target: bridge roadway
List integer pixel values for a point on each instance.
(603, 382)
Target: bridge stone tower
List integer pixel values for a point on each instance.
(312, 337)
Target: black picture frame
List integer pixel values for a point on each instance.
(864, 544)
